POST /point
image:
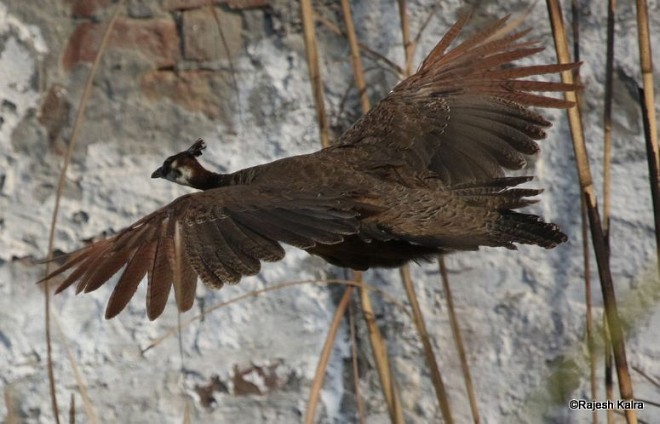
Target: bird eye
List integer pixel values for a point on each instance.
(176, 173)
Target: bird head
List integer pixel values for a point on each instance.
(183, 167)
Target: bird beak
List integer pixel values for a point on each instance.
(158, 173)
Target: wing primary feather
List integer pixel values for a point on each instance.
(208, 237)
(273, 229)
(230, 241)
(160, 279)
(122, 247)
(135, 271)
(86, 257)
(439, 50)
(475, 40)
(262, 247)
(70, 260)
(185, 279)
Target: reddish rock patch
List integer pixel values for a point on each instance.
(88, 8)
(156, 39)
(202, 39)
(198, 91)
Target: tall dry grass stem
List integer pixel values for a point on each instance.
(88, 405)
(256, 293)
(420, 325)
(587, 191)
(418, 317)
(363, 47)
(356, 371)
(648, 111)
(378, 345)
(381, 358)
(405, 32)
(314, 69)
(356, 61)
(324, 359)
(458, 342)
(80, 115)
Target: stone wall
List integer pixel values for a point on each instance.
(236, 76)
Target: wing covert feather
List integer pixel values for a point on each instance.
(427, 118)
(222, 234)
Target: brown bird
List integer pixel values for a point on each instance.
(420, 175)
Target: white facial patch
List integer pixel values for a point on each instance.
(186, 175)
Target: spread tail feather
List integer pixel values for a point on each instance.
(515, 227)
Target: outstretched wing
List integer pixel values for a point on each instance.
(219, 235)
(465, 114)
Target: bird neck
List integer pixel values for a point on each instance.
(204, 179)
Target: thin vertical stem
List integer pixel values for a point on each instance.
(609, 375)
(607, 183)
(80, 115)
(358, 72)
(356, 370)
(324, 359)
(405, 31)
(597, 237)
(418, 319)
(458, 341)
(648, 111)
(315, 70)
(587, 294)
(380, 356)
(607, 119)
(378, 347)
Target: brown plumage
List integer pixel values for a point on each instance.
(420, 175)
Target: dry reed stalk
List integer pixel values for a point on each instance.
(366, 49)
(322, 120)
(88, 405)
(591, 345)
(418, 319)
(72, 410)
(376, 339)
(587, 189)
(458, 341)
(358, 71)
(607, 177)
(648, 378)
(356, 371)
(60, 187)
(12, 416)
(607, 118)
(609, 375)
(187, 415)
(654, 168)
(324, 359)
(427, 21)
(381, 357)
(378, 346)
(584, 220)
(648, 110)
(256, 293)
(230, 60)
(405, 32)
(314, 70)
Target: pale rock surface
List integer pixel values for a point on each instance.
(522, 313)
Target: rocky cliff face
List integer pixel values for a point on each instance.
(165, 80)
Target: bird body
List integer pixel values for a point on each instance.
(420, 175)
